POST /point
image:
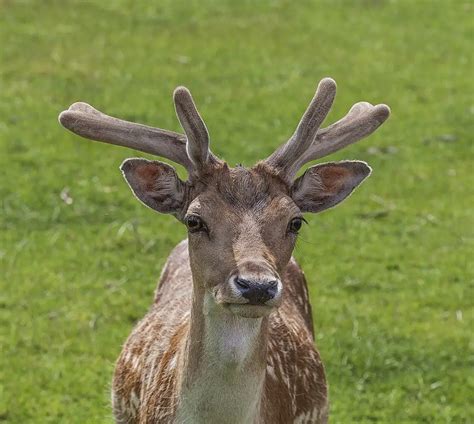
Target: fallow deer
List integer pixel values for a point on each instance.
(229, 337)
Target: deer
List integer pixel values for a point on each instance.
(229, 337)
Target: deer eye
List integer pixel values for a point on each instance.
(295, 225)
(195, 224)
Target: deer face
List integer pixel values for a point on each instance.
(242, 229)
(242, 223)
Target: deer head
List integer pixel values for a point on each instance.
(242, 223)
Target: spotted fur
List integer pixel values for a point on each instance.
(151, 363)
(229, 337)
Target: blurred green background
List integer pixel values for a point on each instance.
(390, 271)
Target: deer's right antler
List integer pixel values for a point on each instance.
(197, 145)
(86, 121)
(190, 150)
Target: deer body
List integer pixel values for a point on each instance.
(229, 337)
(239, 370)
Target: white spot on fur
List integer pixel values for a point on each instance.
(271, 372)
(172, 363)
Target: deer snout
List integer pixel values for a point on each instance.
(263, 291)
(257, 292)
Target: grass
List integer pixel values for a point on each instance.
(391, 270)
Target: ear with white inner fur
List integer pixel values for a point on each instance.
(325, 185)
(156, 184)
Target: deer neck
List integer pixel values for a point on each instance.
(224, 365)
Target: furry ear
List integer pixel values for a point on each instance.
(324, 186)
(156, 184)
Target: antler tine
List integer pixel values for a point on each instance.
(284, 158)
(362, 120)
(197, 145)
(82, 119)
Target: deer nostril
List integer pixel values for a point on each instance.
(243, 284)
(272, 289)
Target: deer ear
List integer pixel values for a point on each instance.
(324, 186)
(156, 184)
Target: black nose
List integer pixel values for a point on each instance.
(257, 292)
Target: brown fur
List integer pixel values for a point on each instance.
(229, 337)
(296, 387)
(247, 213)
(161, 356)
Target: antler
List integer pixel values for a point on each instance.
(197, 145)
(288, 154)
(309, 142)
(361, 121)
(191, 151)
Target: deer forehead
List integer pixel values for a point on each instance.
(234, 193)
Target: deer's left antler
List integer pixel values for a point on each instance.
(309, 142)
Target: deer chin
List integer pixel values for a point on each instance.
(249, 311)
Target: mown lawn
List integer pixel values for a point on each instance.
(391, 270)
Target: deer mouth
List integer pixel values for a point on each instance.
(236, 302)
(239, 306)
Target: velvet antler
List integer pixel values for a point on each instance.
(309, 142)
(190, 150)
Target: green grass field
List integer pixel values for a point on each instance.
(391, 270)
